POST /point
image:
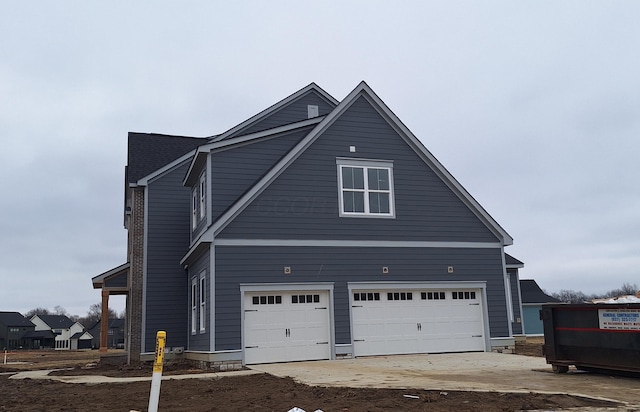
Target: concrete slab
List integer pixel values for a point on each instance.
(479, 371)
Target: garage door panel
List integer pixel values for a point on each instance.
(291, 326)
(418, 321)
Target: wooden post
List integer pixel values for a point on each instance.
(104, 322)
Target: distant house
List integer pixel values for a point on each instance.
(316, 229)
(115, 333)
(69, 335)
(14, 331)
(532, 299)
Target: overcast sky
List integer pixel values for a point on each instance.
(534, 106)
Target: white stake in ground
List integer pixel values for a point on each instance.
(156, 378)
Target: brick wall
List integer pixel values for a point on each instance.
(136, 259)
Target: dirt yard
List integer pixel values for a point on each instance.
(259, 392)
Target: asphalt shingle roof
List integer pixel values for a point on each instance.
(531, 293)
(57, 321)
(149, 152)
(14, 319)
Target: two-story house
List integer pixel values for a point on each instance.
(69, 335)
(316, 229)
(15, 331)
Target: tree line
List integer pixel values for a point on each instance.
(93, 314)
(574, 296)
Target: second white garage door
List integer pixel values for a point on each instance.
(403, 321)
(286, 326)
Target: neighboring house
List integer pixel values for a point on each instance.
(532, 300)
(69, 335)
(316, 229)
(16, 332)
(115, 334)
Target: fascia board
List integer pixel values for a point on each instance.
(205, 238)
(275, 107)
(439, 168)
(198, 159)
(166, 168)
(207, 148)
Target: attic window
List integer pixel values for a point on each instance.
(365, 188)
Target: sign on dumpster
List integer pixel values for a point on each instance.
(619, 319)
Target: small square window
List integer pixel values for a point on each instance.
(294, 299)
(256, 300)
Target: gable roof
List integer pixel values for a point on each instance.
(14, 319)
(362, 90)
(148, 152)
(56, 321)
(512, 262)
(311, 88)
(531, 293)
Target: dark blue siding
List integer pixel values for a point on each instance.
(514, 281)
(235, 171)
(236, 265)
(168, 224)
(200, 341)
(303, 202)
(117, 281)
(293, 112)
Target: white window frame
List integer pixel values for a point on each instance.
(194, 305)
(203, 194)
(194, 209)
(366, 165)
(203, 302)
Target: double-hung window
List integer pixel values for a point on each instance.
(203, 193)
(203, 302)
(194, 209)
(366, 188)
(194, 305)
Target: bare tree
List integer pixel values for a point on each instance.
(37, 311)
(95, 314)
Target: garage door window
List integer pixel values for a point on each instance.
(463, 295)
(305, 298)
(366, 296)
(399, 296)
(433, 296)
(267, 300)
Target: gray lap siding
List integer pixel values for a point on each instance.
(264, 264)
(199, 340)
(168, 230)
(302, 203)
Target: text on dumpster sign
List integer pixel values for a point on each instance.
(627, 319)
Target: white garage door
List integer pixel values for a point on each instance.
(396, 321)
(286, 326)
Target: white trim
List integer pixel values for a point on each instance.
(212, 297)
(353, 243)
(194, 305)
(202, 301)
(507, 293)
(365, 190)
(202, 192)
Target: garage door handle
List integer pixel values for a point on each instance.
(250, 347)
(358, 340)
(356, 306)
(322, 343)
(251, 310)
(476, 336)
(474, 304)
(321, 308)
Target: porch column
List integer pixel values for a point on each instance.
(104, 321)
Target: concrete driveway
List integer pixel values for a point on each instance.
(478, 371)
